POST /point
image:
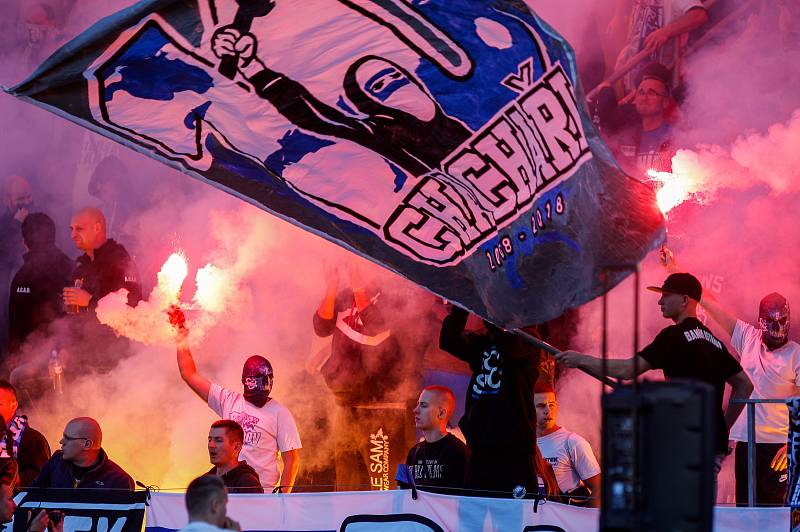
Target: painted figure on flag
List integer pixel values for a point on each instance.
(423, 169)
(402, 121)
(443, 139)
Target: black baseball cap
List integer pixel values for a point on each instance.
(684, 284)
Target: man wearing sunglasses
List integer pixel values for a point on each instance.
(82, 462)
(772, 362)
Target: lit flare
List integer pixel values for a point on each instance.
(673, 189)
(172, 275)
(210, 294)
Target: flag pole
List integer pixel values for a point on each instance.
(538, 342)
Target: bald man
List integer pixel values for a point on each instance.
(104, 267)
(440, 459)
(82, 462)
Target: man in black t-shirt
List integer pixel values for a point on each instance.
(440, 460)
(499, 421)
(372, 374)
(686, 350)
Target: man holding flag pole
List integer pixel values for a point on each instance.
(684, 350)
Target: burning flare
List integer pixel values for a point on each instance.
(146, 322)
(211, 294)
(673, 189)
(172, 275)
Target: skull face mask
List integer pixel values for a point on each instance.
(773, 318)
(257, 380)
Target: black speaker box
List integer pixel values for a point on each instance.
(672, 457)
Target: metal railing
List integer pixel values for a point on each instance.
(714, 30)
(750, 405)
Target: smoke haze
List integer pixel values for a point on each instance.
(740, 133)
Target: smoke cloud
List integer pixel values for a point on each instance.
(261, 279)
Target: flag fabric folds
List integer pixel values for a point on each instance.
(443, 139)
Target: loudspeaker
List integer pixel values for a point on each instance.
(671, 451)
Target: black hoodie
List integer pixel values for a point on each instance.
(499, 415)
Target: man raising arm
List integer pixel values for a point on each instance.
(772, 362)
(685, 350)
(269, 427)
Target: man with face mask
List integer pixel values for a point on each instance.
(269, 427)
(772, 362)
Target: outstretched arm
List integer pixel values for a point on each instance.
(684, 24)
(718, 313)
(618, 368)
(199, 384)
(451, 337)
(291, 99)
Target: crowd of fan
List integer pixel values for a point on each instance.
(510, 443)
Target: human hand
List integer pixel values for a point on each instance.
(666, 258)
(656, 40)
(229, 41)
(52, 520)
(38, 523)
(178, 321)
(571, 359)
(21, 214)
(781, 460)
(230, 524)
(76, 297)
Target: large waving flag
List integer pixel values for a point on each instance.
(443, 139)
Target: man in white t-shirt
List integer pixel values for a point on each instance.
(569, 454)
(269, 427)
(772, 362)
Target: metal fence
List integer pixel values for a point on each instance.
(750, 406)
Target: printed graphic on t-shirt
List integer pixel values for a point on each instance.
(490, 376)
(428, 470)
(248, 423)
(701, 334)
(379, 460)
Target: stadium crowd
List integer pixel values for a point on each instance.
(508, 441)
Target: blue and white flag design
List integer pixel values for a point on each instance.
(443, 139)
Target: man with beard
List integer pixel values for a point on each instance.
(772, 362)
(269, 427)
